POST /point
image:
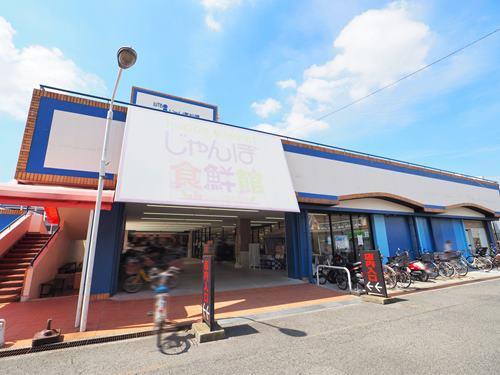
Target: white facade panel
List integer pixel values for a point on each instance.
(75, 142)
(318, 175)
(170, 159)
(373, 204)
(463, 211)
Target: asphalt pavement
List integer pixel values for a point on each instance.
(448, 331)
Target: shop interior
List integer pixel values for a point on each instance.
(248, 246)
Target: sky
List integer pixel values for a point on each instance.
(278, 66)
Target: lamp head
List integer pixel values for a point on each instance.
(126, 57)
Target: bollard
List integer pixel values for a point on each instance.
(2, 332)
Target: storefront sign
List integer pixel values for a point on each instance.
(171, 159)
(373, 273)
(174, 104)
(208, 297)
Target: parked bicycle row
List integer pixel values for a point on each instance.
(402, 271)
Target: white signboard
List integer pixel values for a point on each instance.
(173, 104)
(171, 159)
(75, 142)
(341, 242)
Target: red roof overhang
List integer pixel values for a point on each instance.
(53, 196)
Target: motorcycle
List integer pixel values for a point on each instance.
(418, 270)
(357, 279)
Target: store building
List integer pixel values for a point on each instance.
(285, 201)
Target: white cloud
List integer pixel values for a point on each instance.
(374, 49)
(287, 84)
(217, 7)
(24, 69)
(212, 24)
(266, 107)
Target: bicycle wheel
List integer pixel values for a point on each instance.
(331, 276)
(132, 284)
(341, 281)
(432, 270)
(462, 268)
(390, 277)
(159, 333)
(487, 265)
(404, 279)
(322, 278)
(424, 276)
(445, 269)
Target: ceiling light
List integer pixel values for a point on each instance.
(275, 218)
(203, 208)
(179, 214)
(177, 219)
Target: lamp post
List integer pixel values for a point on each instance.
(126, 58)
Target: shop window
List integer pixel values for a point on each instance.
(321, 240)
(362, 235)
(476, 234)
(343, 237)
(496, 230)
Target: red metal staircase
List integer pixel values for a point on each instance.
(16, 261)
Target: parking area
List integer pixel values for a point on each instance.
(437, 283)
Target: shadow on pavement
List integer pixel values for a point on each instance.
(175, 343)
(245, 329)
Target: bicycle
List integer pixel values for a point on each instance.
(403, 277)
(432, 268)
(479, 263)
(161, 288)
(140, 275)
(390, 277)
(458, 262)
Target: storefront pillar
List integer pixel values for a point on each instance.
(380, 235)
(108, 250)
(298, 246)
(190, 245)
(243, 238)
(489, 233)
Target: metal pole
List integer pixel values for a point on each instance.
(97, 211)
(84, 271)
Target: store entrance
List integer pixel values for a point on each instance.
(248, 245)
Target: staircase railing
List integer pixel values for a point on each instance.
(45, 246)
(13, 222)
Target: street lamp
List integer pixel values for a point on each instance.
(126, 57)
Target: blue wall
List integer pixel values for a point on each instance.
(299, 251)
(424, 234)
(6, 220)
(398, 234)
(108, 250)
(448, 229)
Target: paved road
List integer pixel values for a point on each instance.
(448, 331)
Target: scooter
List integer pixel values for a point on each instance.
(418, 271)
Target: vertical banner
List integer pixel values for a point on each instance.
(208, 297)
(373, 273)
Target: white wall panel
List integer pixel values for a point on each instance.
(373, 204)
(325, 176)
(75, 142)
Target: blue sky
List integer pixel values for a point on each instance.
(277, 65)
